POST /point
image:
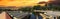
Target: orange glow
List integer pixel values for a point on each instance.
(20, 2)
(42, 4)
(44, 0)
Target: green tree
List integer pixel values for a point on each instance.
(37, 7)
(26, 9)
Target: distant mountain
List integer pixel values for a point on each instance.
(57, 2)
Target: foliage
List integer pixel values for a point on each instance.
(26, 9)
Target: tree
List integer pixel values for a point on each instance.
(26, 9)
(37, 7)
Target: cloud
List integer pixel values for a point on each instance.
(19, 2)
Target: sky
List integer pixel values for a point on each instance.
(20, 2)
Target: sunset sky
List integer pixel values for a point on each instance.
(20, 2)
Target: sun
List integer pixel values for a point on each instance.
(44, 0)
